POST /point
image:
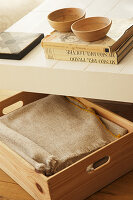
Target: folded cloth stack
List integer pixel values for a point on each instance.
(56, 131)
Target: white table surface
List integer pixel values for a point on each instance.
(35, 73)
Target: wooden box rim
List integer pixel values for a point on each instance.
(42, 187)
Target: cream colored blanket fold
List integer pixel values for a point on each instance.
(56, 131)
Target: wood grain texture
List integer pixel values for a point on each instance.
(10, 191)
(92, 28)
(61, 20)
(16, 167)
(75, 183)
(121, 108)
(120, 189)
(5, 178)
(23, 173)
(108, 114)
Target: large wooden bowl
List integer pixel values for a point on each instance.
(92, 28)
(62, 19)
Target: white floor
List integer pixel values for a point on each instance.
(13, 10)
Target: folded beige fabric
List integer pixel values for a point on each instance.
(56, 131)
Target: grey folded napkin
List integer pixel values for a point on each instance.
(56, 131)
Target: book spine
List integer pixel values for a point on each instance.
(81, 47)
(80, 56)
(124, 45)
(125, 52)
(127, 34)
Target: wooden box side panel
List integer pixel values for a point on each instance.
(76, 183)
(72, 182)
(25, 97)
(15, 166)
(109, 115)
(23, 174)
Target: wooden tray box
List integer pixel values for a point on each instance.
(74, 182)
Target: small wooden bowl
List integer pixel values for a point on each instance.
(92, 28)
(62, 19)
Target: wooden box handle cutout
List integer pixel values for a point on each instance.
(98, 164)
(19, 100)
(12, 107)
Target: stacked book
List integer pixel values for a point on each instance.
(110, 50)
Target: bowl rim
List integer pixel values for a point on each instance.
(109, 24)
(84, 13)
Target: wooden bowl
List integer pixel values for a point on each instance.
(62, 19)
(92, 28)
